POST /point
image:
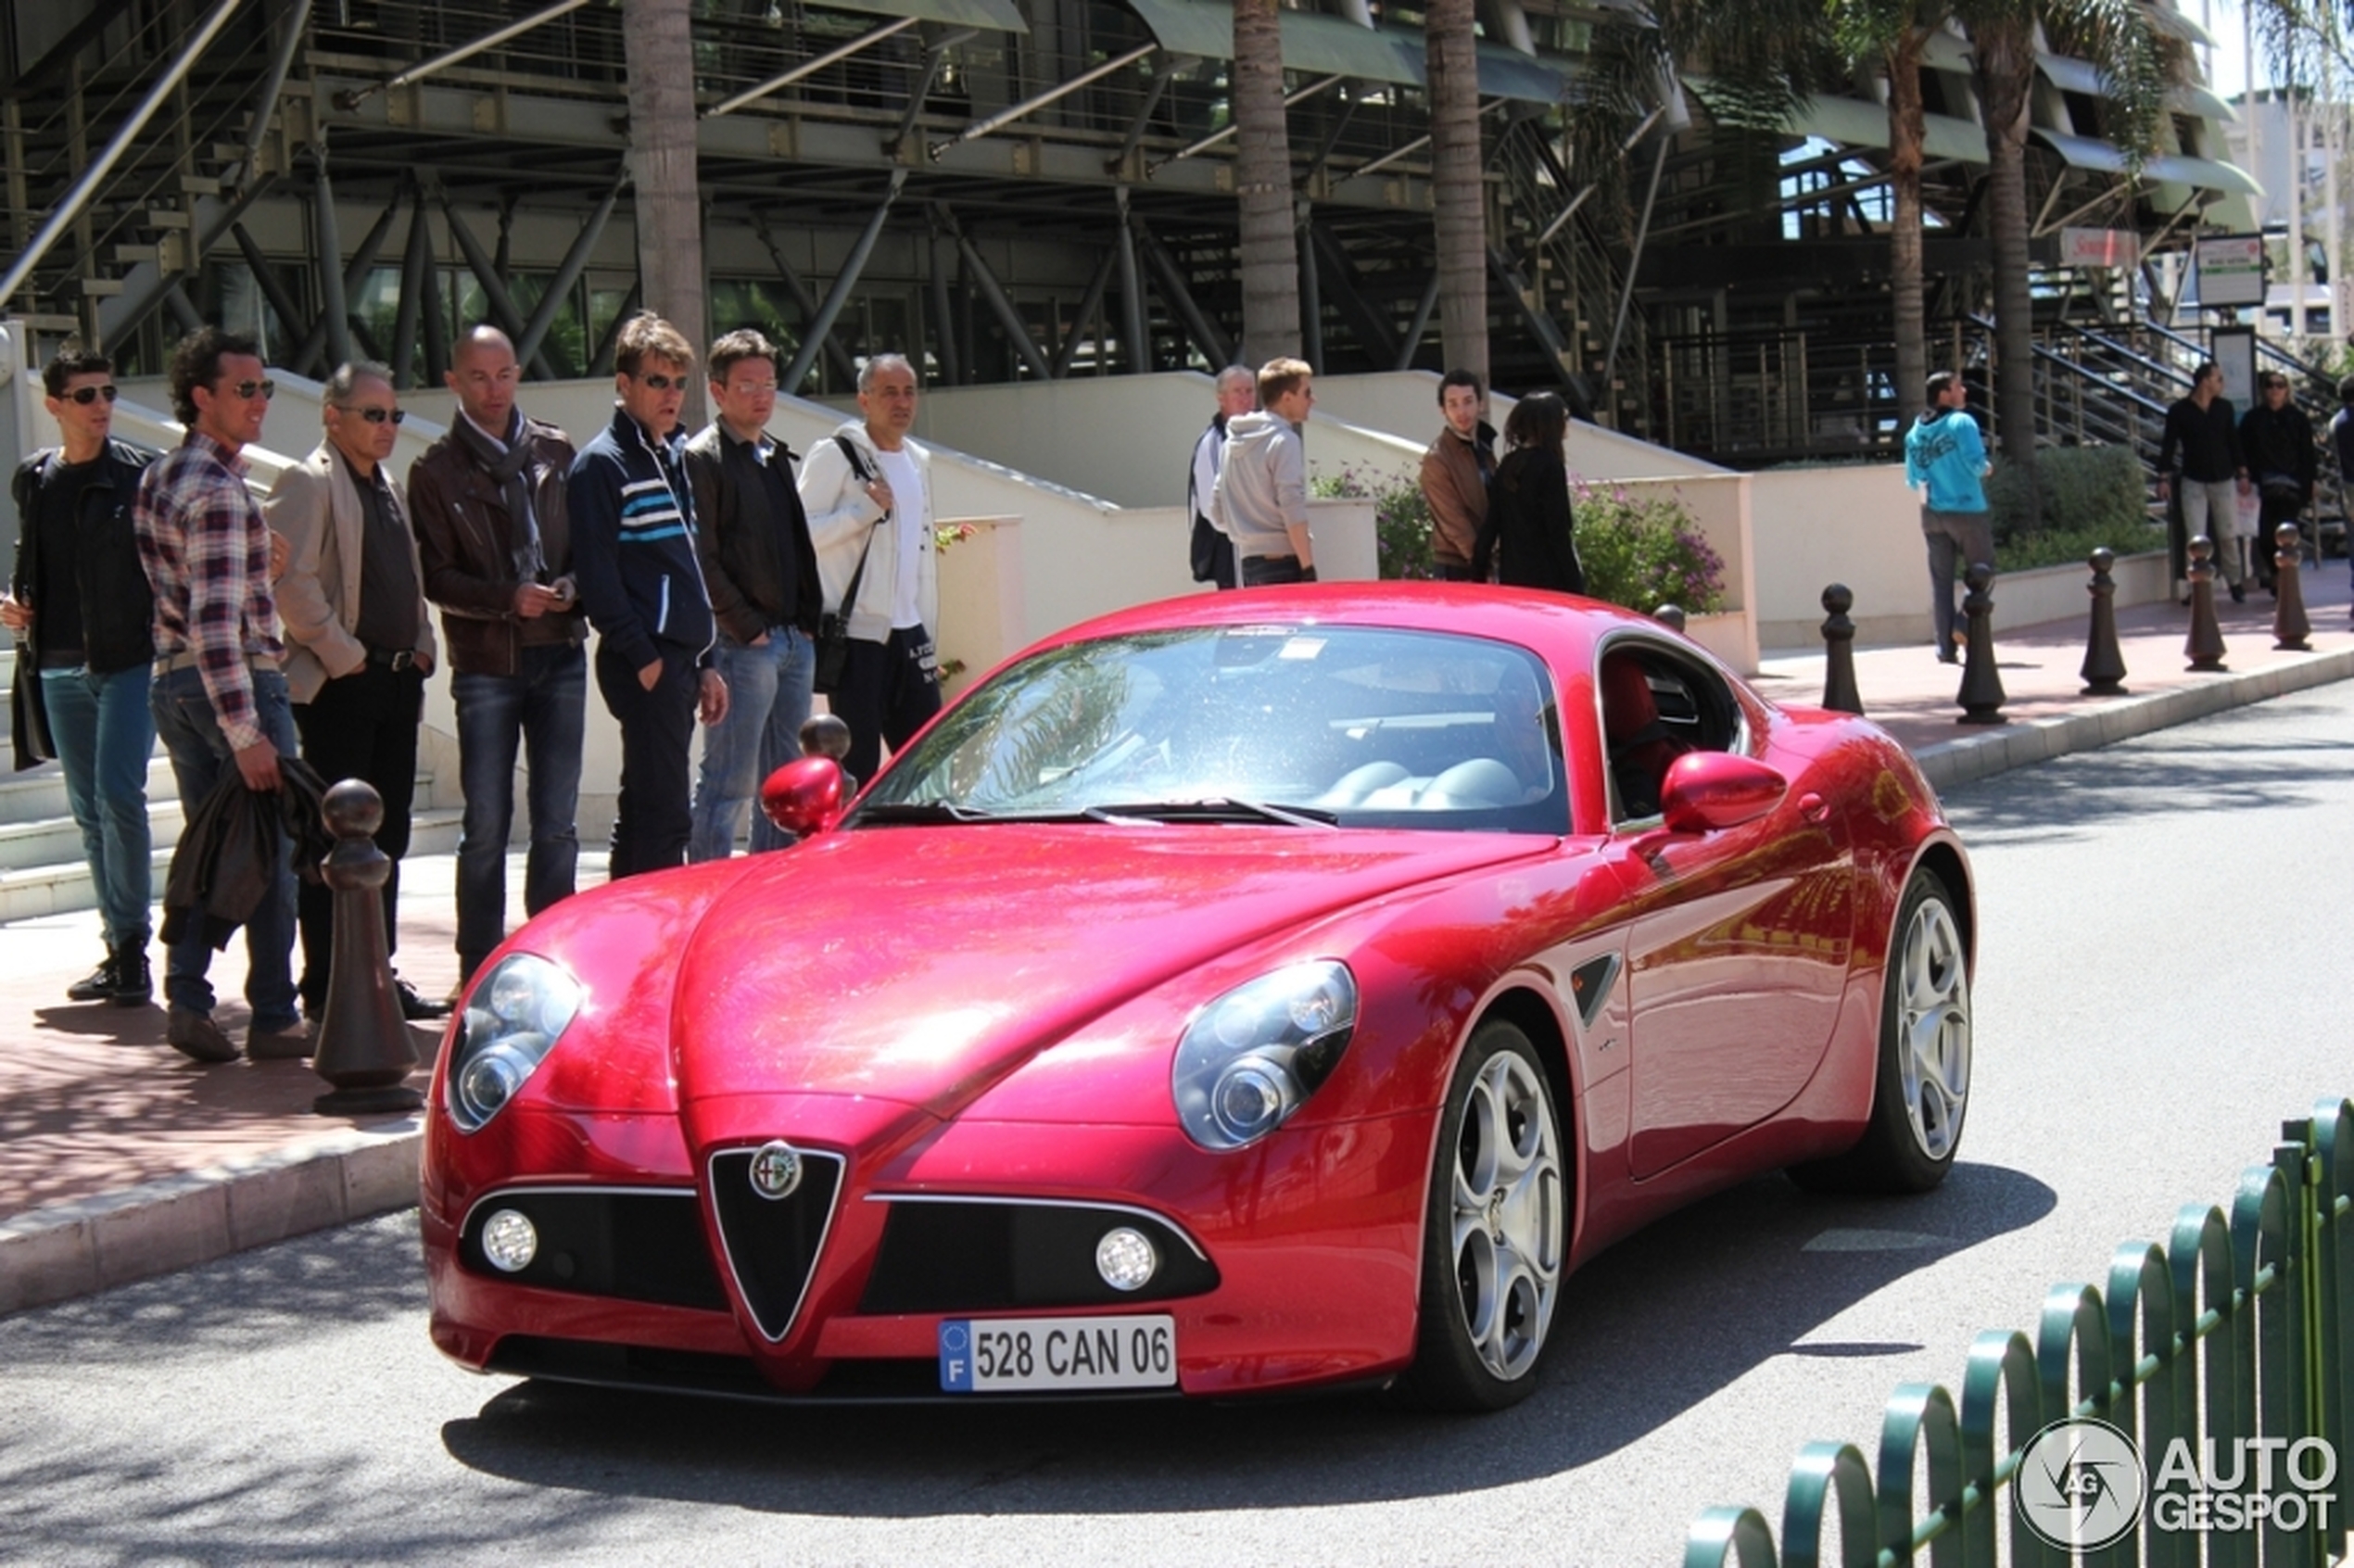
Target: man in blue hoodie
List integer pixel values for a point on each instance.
(1944, 453)
(633, 541)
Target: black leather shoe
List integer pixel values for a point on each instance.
(2239, 593)
(134, 984)
(95, 986)
(414, 1006)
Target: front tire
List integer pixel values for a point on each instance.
(1495, 1232)
(1921, 1092)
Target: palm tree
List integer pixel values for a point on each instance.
(1890, 38)
(2119, 39)
(660, 49)
(1270, 250)
(1460, 219)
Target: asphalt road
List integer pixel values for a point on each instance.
(2161, 925)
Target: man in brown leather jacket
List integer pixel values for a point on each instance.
(1455, 472)
(488, 500)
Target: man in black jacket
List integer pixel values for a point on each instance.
(79, 600)
(761, 571)
(2277, 440)
(2202, 440)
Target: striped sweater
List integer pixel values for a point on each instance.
(633, 546)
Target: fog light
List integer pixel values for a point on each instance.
(509, 1241)
(1126, 1259)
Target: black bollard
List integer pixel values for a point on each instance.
(824, 735)
(1839, 693)
(2291, 630)
(1670, 616)
(2104, 668)
(364, 1049)
(2205, 645)
(1982, 693)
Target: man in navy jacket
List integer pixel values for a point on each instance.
(633, 526)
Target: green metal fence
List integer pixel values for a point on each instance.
(2241, 1328)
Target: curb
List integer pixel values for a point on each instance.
(2023, 742)
(80, 1248)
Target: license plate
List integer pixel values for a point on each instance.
(1009, 1355)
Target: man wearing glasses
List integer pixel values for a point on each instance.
(80, 604)
(633, 545)
(219, 697)
(359, 643)
(762, 573)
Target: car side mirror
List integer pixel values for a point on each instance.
(804, 797)
(1707, 790)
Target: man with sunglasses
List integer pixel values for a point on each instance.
(80, 604)
(359, 643)
(633, 550)
(219, 696)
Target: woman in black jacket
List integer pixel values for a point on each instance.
(1528, 518)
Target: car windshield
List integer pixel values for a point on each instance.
(1297, 725)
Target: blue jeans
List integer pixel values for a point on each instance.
(768, 699)
(541, 707)
(199, 753)
(103, 732)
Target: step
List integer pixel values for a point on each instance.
(33, 891)
(39, 794)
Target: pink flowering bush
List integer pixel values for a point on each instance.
(1643, 550)
(1402, 518)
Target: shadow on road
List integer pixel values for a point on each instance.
(1647, 1329)
(2213, 768)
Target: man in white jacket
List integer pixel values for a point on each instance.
(867, 492)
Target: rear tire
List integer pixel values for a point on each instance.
(1495, 1231)
(1920, 1094)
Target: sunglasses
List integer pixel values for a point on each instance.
(375, 416)
(662, 383)
(86, 395)
(264, 389)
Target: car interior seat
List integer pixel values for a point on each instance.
(1641, 746)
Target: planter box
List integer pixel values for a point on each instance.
(2060, 593)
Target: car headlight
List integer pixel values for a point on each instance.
(513, 1016)
(1252, 1057)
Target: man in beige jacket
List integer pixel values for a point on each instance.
(359, 642)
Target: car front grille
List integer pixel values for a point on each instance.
(637, 1244)
(997, 1255)
(772, 1244)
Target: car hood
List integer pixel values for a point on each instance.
(922, 964)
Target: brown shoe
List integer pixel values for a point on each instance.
(194, 1034)
(290, 1043)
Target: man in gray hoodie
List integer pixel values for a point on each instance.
(1261, 497)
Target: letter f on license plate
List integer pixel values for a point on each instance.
(1012, 1355)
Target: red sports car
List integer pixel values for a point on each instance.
(1246, 993)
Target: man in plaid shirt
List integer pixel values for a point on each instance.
(219, 697)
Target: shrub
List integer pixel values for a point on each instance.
(1402, 518)
(1643, 551)
(1638, 552)
(2079, 488)
(2059, 547)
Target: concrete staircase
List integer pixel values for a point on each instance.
(42, 870)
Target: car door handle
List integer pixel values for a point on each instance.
(1812, 807)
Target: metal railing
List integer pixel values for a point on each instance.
(2239, 1331)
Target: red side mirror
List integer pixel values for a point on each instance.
(804, 797)
(1704, 790)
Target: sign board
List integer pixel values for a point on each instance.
(2100, 247)
(2231, 271)
(2234, 349)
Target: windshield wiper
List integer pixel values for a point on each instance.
(1216, 808)
(924, 811)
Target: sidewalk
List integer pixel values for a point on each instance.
(119, 1160)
